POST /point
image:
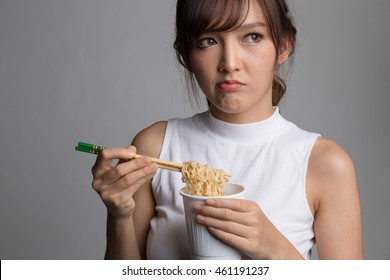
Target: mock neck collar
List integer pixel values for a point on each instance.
(250, 132)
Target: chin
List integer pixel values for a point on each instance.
(229, 105)
(228, 109)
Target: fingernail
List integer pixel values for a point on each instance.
(200, 218)
(153, 167)
(210, 201)
(130, 153)
(146, 160)
(197, 207)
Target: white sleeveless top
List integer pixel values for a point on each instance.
(269, 158)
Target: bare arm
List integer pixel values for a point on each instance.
(125, 190)
(148, 142)
(334, 199)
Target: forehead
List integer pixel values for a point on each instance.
(231, 15)
(255, 13)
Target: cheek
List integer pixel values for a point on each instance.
(201, 69)
(198, 72)
(269, 55)
(263, 61)
(267, 50)
(199, 63)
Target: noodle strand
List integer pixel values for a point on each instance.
(201, 180)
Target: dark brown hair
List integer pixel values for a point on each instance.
(195, 17)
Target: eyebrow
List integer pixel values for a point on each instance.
(245, 26)
(253, 25)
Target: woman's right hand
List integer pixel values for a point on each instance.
(117, 185)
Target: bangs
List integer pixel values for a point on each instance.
(216, 16)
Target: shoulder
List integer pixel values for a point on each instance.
(149, 140)
(329, 159)
(334, 200)
(330, 171)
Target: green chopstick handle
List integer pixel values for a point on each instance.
(89, 148)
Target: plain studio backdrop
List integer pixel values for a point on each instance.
(99, 71)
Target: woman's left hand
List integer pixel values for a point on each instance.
(243, 225)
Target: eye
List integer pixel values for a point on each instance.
(206, 42)
(253, 37)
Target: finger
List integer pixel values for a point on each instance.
(224, 225)
(241, 211)
(133, 188)
(108, 154)
(249, 245)
(131, 171)
(237, 241)
(104, 159)
(133, 152)
(116, 196)
(226, 209)
(134, 180)
(240, 205)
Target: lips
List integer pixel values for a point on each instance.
(230, 85)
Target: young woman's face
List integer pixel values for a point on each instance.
(235, 69)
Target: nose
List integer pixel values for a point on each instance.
(230, 60)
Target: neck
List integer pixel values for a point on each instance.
(243, 117)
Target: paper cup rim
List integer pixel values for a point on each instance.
(197, 197)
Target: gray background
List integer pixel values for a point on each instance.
(100, 71)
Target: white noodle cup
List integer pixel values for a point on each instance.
(205, 246)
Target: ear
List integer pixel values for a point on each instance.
(284, 51)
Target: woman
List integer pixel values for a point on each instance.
(301, 188)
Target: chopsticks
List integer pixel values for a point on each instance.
(96, 149)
